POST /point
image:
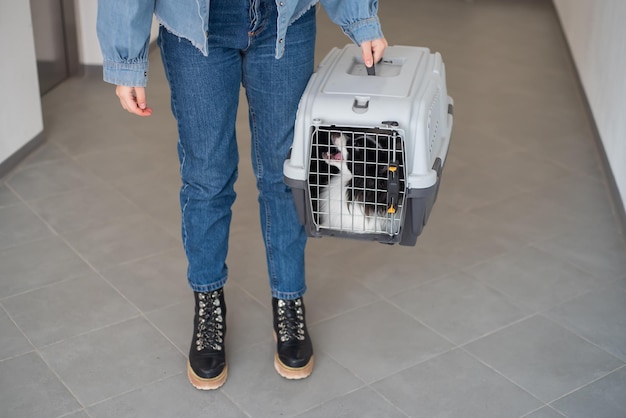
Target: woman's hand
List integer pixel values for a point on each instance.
(372, 51)
(133, 99)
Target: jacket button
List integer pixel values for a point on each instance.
(280, 41)
(281, 4)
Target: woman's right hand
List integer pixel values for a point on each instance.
(133, 99)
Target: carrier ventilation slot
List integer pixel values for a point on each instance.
(433, 123)
(357, 180)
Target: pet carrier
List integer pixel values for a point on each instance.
(369, 149)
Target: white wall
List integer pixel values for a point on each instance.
(596, 35)
(21, 119)
(88, 47)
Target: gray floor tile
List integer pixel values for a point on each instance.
(113, 360)
(247, 265)
(249, 321)
(13, 342)
(390, 270)
(455, 385)
(126, 239)
(47, 152)
(160, 133)
(466, 239)
(148, 183)
(104, 135)
(465, 192)
(157, 194)
(543, 358)
(596, 248)
(7, 197)
(176, 323)
(62, 310)
(583, 198)
(21, 395)
(537, 126)
(459, 307)
(468, 153)
(527, 170)
(19, 225)
(153, 282)
(517, 171)
(124, 162)
(621, 283)
(533, 279)
(602, 399)
(363, 403)
(545, 412)
(37, 264)
(336, 258)
(77, 414)
(83, 208)
(598, 316)
(583, 157)
(526, 216)
(377, 340)
(259, 391)
(44, 180)
(331, 295)
(171, 397)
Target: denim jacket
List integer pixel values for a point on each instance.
(123, 28)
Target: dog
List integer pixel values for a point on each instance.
(365, 183)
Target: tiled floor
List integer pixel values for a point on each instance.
(513, 302)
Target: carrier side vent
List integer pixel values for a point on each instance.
(433, 123)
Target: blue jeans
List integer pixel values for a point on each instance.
(204, 100)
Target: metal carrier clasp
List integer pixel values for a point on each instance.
(393, 179)
(393, 188)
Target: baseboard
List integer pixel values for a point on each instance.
(10, 163)
(616, 199)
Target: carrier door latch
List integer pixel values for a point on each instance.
(393, 188)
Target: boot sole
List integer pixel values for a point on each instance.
(293, 373)
(204, 383)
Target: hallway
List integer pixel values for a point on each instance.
(512, 303)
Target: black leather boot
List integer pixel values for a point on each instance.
(207, 367)
(294, 352)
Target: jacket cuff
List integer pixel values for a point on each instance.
(364, 30)
(126, 74)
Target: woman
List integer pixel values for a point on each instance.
(209, 49)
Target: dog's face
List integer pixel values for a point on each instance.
(337, 153)
(361, 154)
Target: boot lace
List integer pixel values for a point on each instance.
(290, 320)
(210, 332)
